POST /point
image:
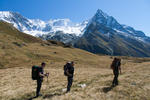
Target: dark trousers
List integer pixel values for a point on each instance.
(39, 84)
(115, 81)
(70, 80)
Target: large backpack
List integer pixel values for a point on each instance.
(66, 68)
(115, 64)
(35, 71)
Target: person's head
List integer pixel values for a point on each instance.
(72, 63)
(43, 64)
(115, 59)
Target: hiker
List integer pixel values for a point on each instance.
(116, 67)
(69, 72)
(38, 74)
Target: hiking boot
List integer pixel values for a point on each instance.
(113, 85)
(38, 95)
(67, 91)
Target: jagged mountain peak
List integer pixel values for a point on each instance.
(102, 20)
(101, 14)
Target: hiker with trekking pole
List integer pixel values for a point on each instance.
(38, 74)
(116, 67)
(69, 72)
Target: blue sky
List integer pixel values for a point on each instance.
(135, 13)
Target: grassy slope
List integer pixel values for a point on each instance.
(17, 49)
(8, 29)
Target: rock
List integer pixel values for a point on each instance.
(64, 90)
(133, 83)
(82, 85)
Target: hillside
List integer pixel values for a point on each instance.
(17, 49)
(8, 29)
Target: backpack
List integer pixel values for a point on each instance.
(115, 64)
(35, 71)
(66, 68)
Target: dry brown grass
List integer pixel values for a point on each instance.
(16, 83)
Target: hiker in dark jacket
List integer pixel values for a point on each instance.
(116, 67)
(41, 75)
(70, 73)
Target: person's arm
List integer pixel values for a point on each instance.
(120, 66)
(120, 69)
(111, 66)
(43, 75)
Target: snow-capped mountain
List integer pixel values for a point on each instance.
(104, 34)
(41, 28)
(102, 18)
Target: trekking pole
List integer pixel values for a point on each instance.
(47, 76)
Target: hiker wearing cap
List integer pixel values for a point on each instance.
(116, 67)
(69, 72)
